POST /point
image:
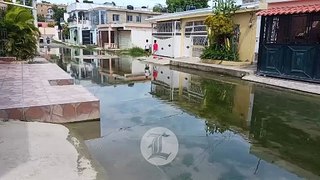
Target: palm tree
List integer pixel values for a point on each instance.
(22, 33)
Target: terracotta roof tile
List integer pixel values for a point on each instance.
(290, 10)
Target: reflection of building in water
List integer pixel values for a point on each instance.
(80, 66)
(218, 102)
(120, 70)
(290, 139)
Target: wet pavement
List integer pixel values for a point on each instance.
(226, 128)
(45, 93)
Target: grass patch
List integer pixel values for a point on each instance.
(134, 52)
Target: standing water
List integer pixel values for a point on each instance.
(220, 127)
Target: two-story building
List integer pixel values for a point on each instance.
(126, 28)
(109, 26)
(184, 34)
(82, 22)
(45, 9)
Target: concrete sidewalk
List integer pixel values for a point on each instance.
(33, 150)
(236, 71)
(287, 84)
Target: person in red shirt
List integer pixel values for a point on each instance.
(155, 48)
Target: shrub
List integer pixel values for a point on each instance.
(136, 52)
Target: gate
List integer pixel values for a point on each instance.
(290, 47)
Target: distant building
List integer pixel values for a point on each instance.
(109, 26)
(184, 34)
(45, 9)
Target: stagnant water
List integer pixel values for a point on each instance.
(226, 128)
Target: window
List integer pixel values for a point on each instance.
(315, 30)
(164, 27)
(102, 16)
(195, 26)
(115, 17)
(149, 17)
(199, 40)
(138, 18)
(129, 18)
(95, 18)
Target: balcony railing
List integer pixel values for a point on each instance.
(111, 46)
(80, 22)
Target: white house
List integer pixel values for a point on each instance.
(109, 26)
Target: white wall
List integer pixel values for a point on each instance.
(139, 37)
(50, 32)
(164, 43)
(137, 67)
(176, 47)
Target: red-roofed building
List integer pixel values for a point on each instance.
(290, 40)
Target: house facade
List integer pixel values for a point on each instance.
(125, 28)
(184, 34)
(289, 40)
(108, 26)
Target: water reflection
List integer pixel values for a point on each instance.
(283, 127)
(227, 128)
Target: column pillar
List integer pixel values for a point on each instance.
(109, 35)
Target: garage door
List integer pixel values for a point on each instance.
(124, 39)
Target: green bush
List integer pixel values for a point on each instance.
(216, 52)
(135, 52)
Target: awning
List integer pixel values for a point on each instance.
(290, 10)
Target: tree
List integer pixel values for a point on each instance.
(159, 8)
(174, 5)
(58, 13)
(41, 18)
(221, 32)
(22, 33)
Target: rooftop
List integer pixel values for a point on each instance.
(197, 12)
(94, 6)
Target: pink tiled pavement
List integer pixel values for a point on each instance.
(43, 92)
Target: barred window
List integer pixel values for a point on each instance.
(200, 40)
(195, 26)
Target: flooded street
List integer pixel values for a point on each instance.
(226, 128)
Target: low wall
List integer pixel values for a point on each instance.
(230, 71)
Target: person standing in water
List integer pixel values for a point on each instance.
(155, 49)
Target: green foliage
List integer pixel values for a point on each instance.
(57, 13)
(221, 32)
(159, 8)
(65, 31)
(22, 33)
(51, 24)
(219, 25)
(136, 52)
(220, 52)
(41, 18)
(225, 7)
(173, 5)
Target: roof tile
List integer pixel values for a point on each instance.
(290, 10)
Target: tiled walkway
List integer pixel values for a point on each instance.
(43, 92)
